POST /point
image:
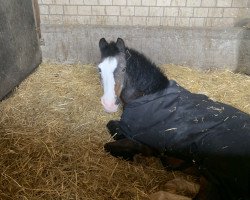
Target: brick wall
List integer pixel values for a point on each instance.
(192, 13)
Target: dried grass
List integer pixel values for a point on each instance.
(220, 85)
(52, 131)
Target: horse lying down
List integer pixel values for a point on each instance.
(161, 118)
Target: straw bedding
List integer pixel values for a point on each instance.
(52, 131)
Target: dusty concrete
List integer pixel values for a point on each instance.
(244, 53)
(200, 47)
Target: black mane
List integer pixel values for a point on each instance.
(144, 75)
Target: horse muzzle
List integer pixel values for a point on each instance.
(110, 106)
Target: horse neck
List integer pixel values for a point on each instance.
(142, 78)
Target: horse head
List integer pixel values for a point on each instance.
(126, 75)
(112, 70)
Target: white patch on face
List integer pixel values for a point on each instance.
(107, 67)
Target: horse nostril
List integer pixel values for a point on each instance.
(107, 102)
(109, 106)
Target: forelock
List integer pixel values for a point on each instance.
(110, 50)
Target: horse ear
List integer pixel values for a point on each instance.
(102, 43)
(120, 44)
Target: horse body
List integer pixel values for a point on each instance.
(162, 118)
(191, 127)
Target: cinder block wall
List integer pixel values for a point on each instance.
(180, 13)
(200, 33)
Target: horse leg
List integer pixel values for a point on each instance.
(126, 149)
(113, 127)
(163, 195)
(207, 191)
(173, 163)
(182, 186)
(176, 189)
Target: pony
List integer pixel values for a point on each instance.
(160, 118)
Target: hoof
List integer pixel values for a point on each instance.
(114, 130)
(119, 149)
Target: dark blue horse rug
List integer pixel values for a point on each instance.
(192, 127)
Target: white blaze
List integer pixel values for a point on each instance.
(107, 67)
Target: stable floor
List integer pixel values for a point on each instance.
(52, 132)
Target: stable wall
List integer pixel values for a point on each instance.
(179, 13)
(200, 33)
(204, 48)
